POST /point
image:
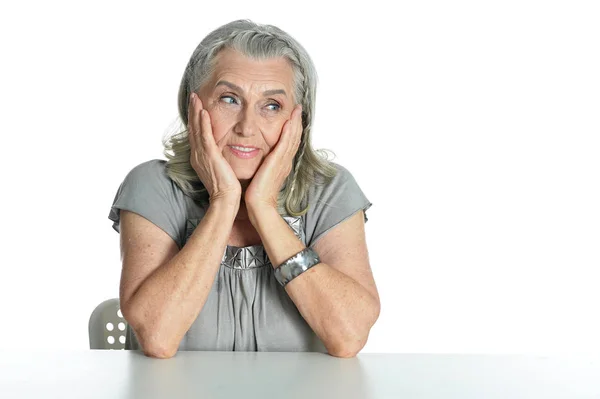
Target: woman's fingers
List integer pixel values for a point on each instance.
(205, 157)
(285, 150)
(200, 125)
(190, 126)
(192, 113)
(292, 132)
(192, 119)
(298, 127)
(206, 135)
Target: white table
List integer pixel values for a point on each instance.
(265, 375)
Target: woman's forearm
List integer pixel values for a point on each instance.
(167, 303)
(338, 309)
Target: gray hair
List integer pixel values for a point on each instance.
(258, 42)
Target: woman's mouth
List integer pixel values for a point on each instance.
(243, 152)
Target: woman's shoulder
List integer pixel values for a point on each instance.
(148, 191)
(150, 179)
(338, 193)
(155, 168)
(332, 202)
(151, 173)
(323, 183)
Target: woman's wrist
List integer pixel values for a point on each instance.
(255, 211)
(225, 206)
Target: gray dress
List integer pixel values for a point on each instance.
(246, 309)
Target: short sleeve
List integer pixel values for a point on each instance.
(332, 203)
(148, 191)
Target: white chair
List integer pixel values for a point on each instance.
(107, 327)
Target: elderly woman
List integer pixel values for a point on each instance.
(245, 239)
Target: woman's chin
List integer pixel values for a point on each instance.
(245, 177)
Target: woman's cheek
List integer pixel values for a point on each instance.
(273, 137)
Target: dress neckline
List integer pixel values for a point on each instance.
(251, 256)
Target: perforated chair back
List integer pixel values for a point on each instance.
(107, 326)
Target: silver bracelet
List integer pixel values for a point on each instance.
(296, 265)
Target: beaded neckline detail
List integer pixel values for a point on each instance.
(249, 257)
(252, 256)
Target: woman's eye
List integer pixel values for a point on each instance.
(230, 98)
(275, 105)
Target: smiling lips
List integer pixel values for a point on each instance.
(243, 152)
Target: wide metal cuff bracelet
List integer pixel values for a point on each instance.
(296, 265)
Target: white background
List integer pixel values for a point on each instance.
(472, 127)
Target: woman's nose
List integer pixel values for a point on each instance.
(247, 123)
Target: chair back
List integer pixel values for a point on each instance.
(107, 326)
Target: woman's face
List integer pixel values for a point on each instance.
(248, 103)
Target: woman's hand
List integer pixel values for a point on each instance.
(268, 179)
(205, 157)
